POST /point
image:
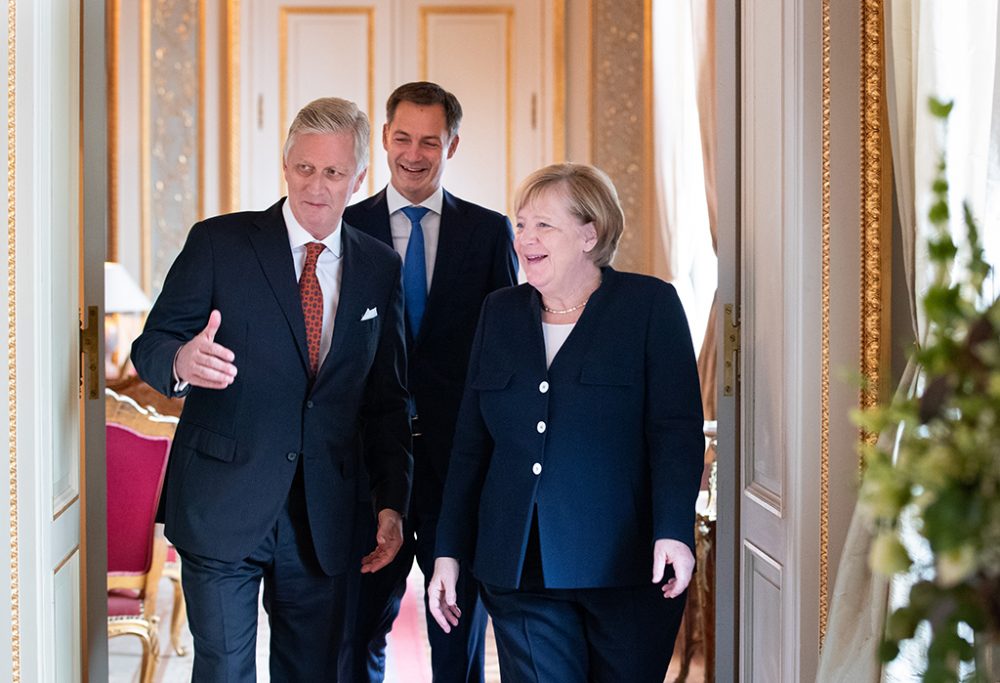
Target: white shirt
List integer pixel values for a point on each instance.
(555, 335)
(328, 271)
(400, 225)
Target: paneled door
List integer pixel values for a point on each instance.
(55, 229)
(492, 55)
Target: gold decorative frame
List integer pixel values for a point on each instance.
(876, 212)
(425, 12)
(112, 19)
(229, 109)
(15, 584)
(283, 122)
(824, 420)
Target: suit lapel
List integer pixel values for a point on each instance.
(353, 290)
(454, 237)
(377, 217)
(270, 242)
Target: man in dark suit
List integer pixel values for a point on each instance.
(263, 477)
(454, 254)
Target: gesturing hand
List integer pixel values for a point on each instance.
(203, 363)
(441, 593)
(668, 551)
(389, 538)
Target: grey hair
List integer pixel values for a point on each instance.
(332, 115)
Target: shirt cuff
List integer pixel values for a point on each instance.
(179, 384)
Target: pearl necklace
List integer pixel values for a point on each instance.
(565, 311)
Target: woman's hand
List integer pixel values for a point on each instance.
(441, 593)
(668, 551)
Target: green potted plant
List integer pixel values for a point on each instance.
(934, 499)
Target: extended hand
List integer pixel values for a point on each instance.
(441, 593)
(389, 538)
(668, 551)
(203, 363)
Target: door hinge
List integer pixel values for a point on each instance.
(731, 350)
(90, 376)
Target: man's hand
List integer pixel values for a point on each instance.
(203, 363)
(441, 593)
(389, 538)
(668, 551)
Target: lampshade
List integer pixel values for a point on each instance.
(121, 293)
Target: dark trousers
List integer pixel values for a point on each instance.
(595, 635)
(456, 657)
(305, 607)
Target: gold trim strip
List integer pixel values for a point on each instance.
(112, 31)
(824, 420)
(145, 162)
(872, 353)
(283, 123)
(559, 81)
(202, 38)
(15, 584)
(508, 12)
(649, 178)
(69, 503)
(229, 152)
(67, 558)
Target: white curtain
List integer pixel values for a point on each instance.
(947, 50)
(682, 209)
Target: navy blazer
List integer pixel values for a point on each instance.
(607, 442)
(236, 450)
(475, 256)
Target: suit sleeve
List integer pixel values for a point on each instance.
(504, 272)
(471, 453)
(181, 311)
(386, 413)
(673, 421)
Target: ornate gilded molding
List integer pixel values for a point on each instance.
(112, 18)
(875, 209)
(824, 421)
(621, 127)
(229, 140)
(15, 585)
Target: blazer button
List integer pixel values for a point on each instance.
(537, 468)
(540, 427)
(543, 387)
(291, 457)
(309, 404)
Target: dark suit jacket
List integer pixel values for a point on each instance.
(235, 451)
(475, 256)
(614, 424)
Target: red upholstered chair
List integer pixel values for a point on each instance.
(136, 466)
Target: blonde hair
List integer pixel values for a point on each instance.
(591, 197)
(331, 116)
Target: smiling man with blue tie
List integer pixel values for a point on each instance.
(284, 329)
(454, 254)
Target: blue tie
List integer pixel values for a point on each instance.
(415, 270)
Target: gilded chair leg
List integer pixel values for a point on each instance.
(150, 653)
(177, 617)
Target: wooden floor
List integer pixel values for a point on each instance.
(408, 656)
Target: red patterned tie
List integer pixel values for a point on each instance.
(312, 303)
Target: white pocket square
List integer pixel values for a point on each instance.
(370, 314)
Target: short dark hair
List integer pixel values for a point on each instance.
(425, 93)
